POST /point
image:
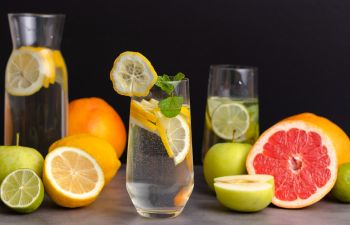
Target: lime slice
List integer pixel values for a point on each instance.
(254, 113)
(132, 74)
(22, 191)
(215, 102)
(230, 121)
(25, 72)
(175, 133)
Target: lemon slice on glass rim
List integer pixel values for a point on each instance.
(133, 74)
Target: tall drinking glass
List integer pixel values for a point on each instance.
(36, 95)
(159, 173)
(232, 112)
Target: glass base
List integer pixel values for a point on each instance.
(158, 213)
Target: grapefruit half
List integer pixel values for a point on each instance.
(301, 153)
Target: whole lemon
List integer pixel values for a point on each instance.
(97, 147)
(95, 116)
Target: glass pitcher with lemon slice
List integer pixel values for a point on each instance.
(36, 95)
(159, 173)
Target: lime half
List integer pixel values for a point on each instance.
(22, 191)
(230, 121)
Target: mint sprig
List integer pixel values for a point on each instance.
(170, 106)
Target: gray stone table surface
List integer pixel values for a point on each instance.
(113, 207)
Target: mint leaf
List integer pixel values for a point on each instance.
(171, 106)
(179, 76)
(163, 83)
(165, 77)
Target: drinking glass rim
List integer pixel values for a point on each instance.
(232, 67)
(39, 15)
(184, 80)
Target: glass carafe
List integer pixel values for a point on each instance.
(36, 95)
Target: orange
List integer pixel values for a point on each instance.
(95, 116)
(99, 148)
(302, 152)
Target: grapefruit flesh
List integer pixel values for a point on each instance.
(302, 159)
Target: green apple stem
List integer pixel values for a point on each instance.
(233, 136)
(17, 139)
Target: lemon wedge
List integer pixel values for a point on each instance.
(132, 74)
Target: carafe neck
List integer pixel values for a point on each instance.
(40, 30)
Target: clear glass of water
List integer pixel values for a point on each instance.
(232, 111)
(159, 174)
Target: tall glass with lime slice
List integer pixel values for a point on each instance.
(159, 173)
(232, 112)
(36, 95)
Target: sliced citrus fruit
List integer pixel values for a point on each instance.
(176, 136)
(151, 105)
(154, 102)
(141, 122)
(214, 102)
(132, 74)
(97, 147)
(301, 155)
(25, 72)
(61, 69)
(22, 191)
(72, 177)
(48, 57)
(230, 121)
(141, 110)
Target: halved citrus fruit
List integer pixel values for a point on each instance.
(132, 74)
(175, 133)
(72, 177)
(99, 148)
(22, 190)
(230, 121)
(301, 154)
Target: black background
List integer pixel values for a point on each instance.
(302, 49)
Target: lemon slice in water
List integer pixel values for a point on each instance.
(132, 74)
(175, 133)
(25, 72)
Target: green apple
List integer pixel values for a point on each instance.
(245, 193)
(341, 189)
(17, 157)
(225, 159)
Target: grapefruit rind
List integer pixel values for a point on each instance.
(326, 141)
(340, 139)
